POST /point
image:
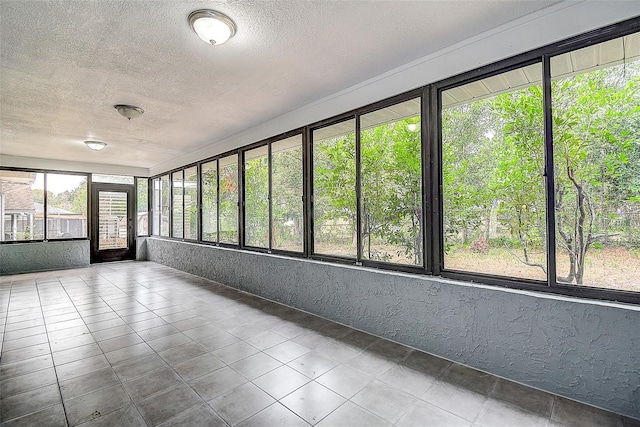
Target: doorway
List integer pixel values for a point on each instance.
(112, 226)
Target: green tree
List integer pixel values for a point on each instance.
(391, 188)
(517, 181)
(256, 192)
(287, 205)
(469, 138)
(595, 117)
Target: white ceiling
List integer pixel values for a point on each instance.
(64, 64)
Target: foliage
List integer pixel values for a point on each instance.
(209, 191)
(256, 190)
(493, 167)
(71, 200)
(596, 159)
(334, 198)
(391, 191)
(287, 185)
(142, 195)
(228, 207)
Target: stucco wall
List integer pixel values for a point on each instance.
(585, 350)
(39, 256)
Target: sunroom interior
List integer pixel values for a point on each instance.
(442, 233)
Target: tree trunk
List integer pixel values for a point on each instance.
(567, 239)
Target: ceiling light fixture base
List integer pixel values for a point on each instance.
(211, 26)
(95, 145)
(128, 111)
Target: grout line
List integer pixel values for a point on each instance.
(55, 371)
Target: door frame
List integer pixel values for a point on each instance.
(113, 254)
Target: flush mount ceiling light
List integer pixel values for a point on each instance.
(95, 145)
(129, 111)
(212, 27)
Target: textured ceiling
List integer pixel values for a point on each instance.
(64, 64)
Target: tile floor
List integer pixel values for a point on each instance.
(140, 344)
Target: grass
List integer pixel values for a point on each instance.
(609, 268)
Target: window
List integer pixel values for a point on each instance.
(391, 224)
(287, 189)
(142, 189)
(596, 111)
(492, 175)
(156, 185)
(21, 206)
(191, 203)
(228, 208)
(165, 205)
(498, 212)
(177, 201)
(209, 188)
(334, 190)
(256, 197)
(66, 206)
(37, 205)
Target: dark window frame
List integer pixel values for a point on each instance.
(418, 94)
(240, 190)
(201, 204)
(197, 201)
(541, 55)
(268, 143)
(243, 196)
(136, 180)
(431, 139)
(172, 219)
(87, 175)
(312, 253)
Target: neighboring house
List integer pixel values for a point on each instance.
(23, 217)
(61, 224)
(17, 208)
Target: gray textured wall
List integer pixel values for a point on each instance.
(585, 350)
(39, 256)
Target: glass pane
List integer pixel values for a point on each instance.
(492, 175)
(177, 200)
(112, 179)
(112, 220)
(334, 190)
(256, 193)
(143, 206)
(191, 203)
(21, 206)
(157, 199)
(287, 185)
(391, 184)
(165, 206)
(229, 199)
(209, 187)
(596, 111)
(66, 206)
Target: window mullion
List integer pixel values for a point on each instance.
(45, 203)
(241, 198)
(307, 192)
(358, 195)
(549, 171)
(218, 201)
(270, 196)
(430, 166)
